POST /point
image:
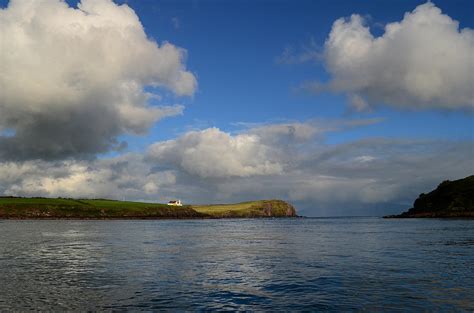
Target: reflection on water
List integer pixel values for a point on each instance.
(286, 264)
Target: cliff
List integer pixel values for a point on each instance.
(261, 208)
(449, 199)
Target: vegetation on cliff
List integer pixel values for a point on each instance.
(450, 199)
(44, 208)
(262, 208)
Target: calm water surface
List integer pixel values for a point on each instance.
(286, 264)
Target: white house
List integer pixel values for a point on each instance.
(175, 203)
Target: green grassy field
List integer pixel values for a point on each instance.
(37, 208)
(85, 208)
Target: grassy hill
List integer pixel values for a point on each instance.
(449, 199)
(84, 208)
(262, 208)
(44, 208)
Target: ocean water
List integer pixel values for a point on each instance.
(334, 264)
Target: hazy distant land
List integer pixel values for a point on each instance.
(62, 208)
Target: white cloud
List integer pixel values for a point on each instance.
(126, 176)
(73, 79)
(260, 150)
(214, 153)
(212, 166)
(423, 61)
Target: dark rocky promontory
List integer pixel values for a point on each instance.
(449, 199)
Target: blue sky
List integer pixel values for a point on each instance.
(266, 99)
(233, 49)
(233, 46)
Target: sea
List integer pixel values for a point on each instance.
(300, 264)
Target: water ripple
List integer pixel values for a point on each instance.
(264, 265)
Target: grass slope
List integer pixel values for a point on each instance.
(261, 208)
(44, 208)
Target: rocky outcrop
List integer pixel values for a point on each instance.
(449, 199)
(252, 209)
(277, 208)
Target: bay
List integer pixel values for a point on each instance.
(333, 264)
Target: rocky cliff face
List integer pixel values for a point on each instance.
(264, 208)
(277, 208)
(449, 199)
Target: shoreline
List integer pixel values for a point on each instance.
(429, 217)
(102, 209)
(141, 218)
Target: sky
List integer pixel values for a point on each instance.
(339, 107)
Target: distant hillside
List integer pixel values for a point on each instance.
(262, 208)
(450, 199)
(61, 208)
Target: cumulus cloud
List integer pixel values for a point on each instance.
(305, 170)
(121, 177)
(73, 79)
(259, 150)
(214, 153)
(290, 161)
(423, 61)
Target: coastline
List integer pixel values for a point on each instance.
(138, 218)
(102, 209)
